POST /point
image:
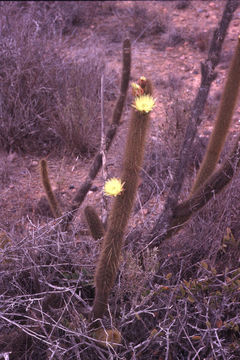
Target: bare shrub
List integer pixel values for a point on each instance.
(45, 102)
(172, 82)
(6, 169)
(55, 18)
(199, 39)
(47, 290)
(81, 13)
(146, 22)
(27, 96)
(140, 22)
(40, 267)
(78, 119)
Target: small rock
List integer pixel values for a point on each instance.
(71, 187)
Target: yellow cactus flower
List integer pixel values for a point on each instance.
(136, 89)
(142, 78)
(144, 103)
(113, 187)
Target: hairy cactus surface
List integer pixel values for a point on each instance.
(108, 263)
(55, 208)
(94, 222)
(223, 121)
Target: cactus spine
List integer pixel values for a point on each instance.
(223, 121)
(107, 266)
(55, 208)
(94, 223)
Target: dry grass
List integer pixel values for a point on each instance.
(46, 102)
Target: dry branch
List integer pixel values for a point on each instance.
(160, 229)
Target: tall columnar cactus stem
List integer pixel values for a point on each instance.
(223, 121)
(108, 263)
(55, 208)
(94, 223)
(126, 69)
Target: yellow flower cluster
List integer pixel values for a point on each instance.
(113, 187)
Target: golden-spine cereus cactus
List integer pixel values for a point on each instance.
(222, 122)
(95, 224)
(55, 208)
(108, 262)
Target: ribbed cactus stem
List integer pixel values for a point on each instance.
(95, 224)
(223, 121)
(55, 208)
(108, 263)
